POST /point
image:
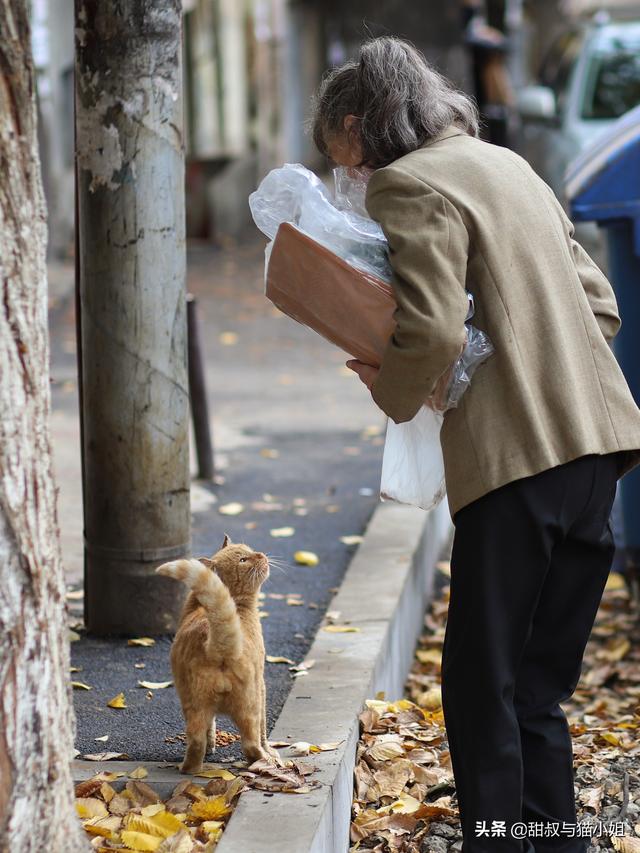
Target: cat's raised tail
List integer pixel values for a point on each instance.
(225, 636)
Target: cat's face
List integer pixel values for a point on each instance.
(239, 567)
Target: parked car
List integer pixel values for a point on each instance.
(589, 78)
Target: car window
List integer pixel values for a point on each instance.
(612, 84)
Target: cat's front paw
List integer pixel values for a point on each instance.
(273, 755)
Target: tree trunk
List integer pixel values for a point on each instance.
(36, 718)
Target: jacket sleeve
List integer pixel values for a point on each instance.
(599, 292)
(596, 285)
(428, 245)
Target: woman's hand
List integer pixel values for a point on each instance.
(366, 372)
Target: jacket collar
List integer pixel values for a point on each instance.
(451, 130)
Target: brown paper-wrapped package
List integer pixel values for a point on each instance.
(350, 308)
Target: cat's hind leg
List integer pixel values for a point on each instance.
(211, 736)
(197, 728)
(249, 726)
(263, 725)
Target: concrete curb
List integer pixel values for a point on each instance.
(385, 594)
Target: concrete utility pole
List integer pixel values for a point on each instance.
(134, 398)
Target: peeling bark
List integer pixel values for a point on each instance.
(36, 717)
(132, 269)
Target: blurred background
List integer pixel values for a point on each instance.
(548, 75)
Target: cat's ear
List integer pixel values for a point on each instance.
(227, 540)
(206, 561)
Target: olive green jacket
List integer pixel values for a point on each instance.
(460, 213)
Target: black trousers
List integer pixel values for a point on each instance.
(529, 565)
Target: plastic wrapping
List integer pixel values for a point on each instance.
(294, 194)
(320, 288)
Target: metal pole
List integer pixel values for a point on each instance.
(130, 163)
(198, 395)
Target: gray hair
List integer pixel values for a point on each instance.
(399, 99)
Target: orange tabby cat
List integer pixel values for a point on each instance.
(217, 656)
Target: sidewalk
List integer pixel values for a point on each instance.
(298, 443)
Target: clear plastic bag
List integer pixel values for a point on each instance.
(294, 194)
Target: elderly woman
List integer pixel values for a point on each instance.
(535, 448)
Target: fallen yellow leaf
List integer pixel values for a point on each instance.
(306, 558)
(139, 773)
(75, 595)
(80, 685)
(106, 756)
(272, 659)
(181, 842)
(431, 699)
(341, 629)
(153, 809)
(625, 844)
(103, 826)
(615, 581)
(155, 685)
(140, 840)
(117, 701)
(282, 531)
(91, 807)
(378, 705)
(162, 824)
(351, 540)
(405, 804)
(610, 738)
(216, 773)
(212, 808)
(141, 641)
(233, 508)
(384, 751)
(429, 656)
(102, 739)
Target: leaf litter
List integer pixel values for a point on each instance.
(191, 820)
(404, 790)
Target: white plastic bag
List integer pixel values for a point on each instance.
(412, 463)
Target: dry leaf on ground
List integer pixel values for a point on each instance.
(306, 558)
(117, 702)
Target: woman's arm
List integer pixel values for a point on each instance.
(597, 286)
(428, 246)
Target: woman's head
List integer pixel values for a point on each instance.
(386, 103)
